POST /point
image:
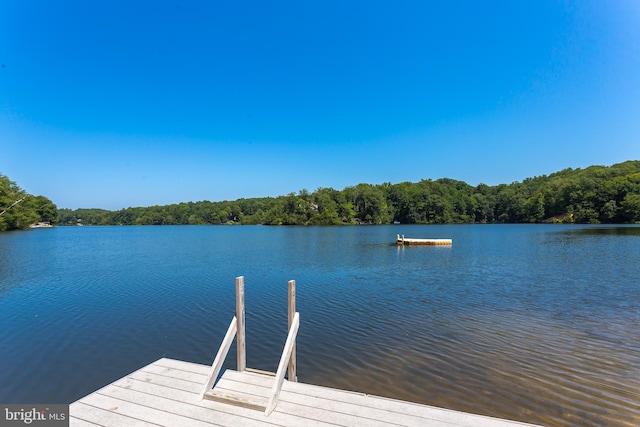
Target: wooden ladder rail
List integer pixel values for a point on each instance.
(220, 357)
(237, 329)
(293, 374)
(282, 366)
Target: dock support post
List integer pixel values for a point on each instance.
(240, 342)
(293, 375)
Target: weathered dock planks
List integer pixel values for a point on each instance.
(401, 240)
(167, 393)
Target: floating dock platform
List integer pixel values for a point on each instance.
(174, 393)
(401, 240)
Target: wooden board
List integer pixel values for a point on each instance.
(167, 393)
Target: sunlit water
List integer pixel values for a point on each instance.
(535, 323)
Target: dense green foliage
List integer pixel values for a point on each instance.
(596, 194)
(19, 209)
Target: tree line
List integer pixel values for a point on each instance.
(18, 209)
(596, 194)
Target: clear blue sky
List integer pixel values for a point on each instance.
(130, 103)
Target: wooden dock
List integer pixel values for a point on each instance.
(401, 240)
(175, 393)
(166, 393)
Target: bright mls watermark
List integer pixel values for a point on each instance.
(34, 415)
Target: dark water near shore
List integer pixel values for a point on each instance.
(535, 323)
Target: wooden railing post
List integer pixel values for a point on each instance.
(282, 366)
(293, 376)
(216, 366)
(240, 335)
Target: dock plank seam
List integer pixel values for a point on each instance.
(235, 391)
(291, 407)
(315, 404)
(389, 404)
(402, 409)
(371, 408)
(176, 386)
(172, 417)
(218, 409)
(74, 421)
(193, 405)
(106, 411)
(342, 418)
(164, 374)
(164, 386)
(79, 422)
(290, 403)
(170, 363)
(303, 396)
(369, 402)
(451, 412)
(332, 399)
(155, 408)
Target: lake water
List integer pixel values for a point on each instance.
(536, 323)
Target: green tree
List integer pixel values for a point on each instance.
(45, 208)
(19, 209)
(534, 208)
(630, 208)
(609, 211)
(370, 205)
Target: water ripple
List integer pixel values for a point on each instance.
(537, 324)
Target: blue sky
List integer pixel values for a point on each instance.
(120, 103)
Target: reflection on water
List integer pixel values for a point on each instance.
(630, 230)
(519, 367)
(537, 323)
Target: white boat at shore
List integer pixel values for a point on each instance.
(41, 225)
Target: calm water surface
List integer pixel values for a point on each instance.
(535, 323)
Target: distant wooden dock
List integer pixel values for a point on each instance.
(401, 240)
(182, 394)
